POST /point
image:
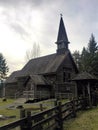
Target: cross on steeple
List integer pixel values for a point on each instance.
(61, 15)
(62, 39)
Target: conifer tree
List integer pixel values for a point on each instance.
(93, 56)
(92, 45)
(84, 60)
(89, 57)
(3, 67)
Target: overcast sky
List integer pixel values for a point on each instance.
(25, 22)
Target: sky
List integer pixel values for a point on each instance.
(26, 22)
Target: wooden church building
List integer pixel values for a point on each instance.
(48, 76)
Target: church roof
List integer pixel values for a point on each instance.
(62, 35)
(41, 66)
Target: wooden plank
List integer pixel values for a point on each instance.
(59, 112)
(44, 121)
(13, 124)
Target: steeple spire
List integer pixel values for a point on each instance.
(62, 39)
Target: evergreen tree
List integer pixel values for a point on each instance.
(3, 67)
(93, 55)
(92, 45)
(84, 60)
(89, 57)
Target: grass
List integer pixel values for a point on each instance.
(35, 108)
(7, 112)
(16, 112)
(3, 103)
(86, 120)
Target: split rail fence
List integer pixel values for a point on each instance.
(51, 119)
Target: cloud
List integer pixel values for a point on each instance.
(19, 30)
(18, 3)
(30, 21)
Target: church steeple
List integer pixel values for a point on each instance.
(62, 39)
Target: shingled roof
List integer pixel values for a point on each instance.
(84, 76)
(12, 77)
(42, 65)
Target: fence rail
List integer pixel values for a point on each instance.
(51, 119)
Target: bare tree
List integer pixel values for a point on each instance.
(33, 52)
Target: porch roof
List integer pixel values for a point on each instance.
(84, 76)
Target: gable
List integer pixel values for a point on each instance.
(68, 62)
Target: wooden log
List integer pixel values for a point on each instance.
(41, 107)
(59, 119)
(29, 121)
(60, 116)
(73, 108)
(22, 115)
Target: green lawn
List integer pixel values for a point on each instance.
(47, 104)
(3, 103)
(7, 112)
(86, 120)
(16, 112)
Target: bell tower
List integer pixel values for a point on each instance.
(62, 39)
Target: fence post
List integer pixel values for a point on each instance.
(73, 108)
(59, 117)
(41, 118)
(22, 115)
(55, 103)
(29, 121)
(41, 107)
(56, 111)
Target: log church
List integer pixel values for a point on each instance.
(48, 76)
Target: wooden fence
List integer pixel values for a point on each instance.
(51, 119)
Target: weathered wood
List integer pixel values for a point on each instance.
(22, 115)
(60, 121)
(89, 95)
(38, 119)
(73, 108)
(41, 107)
(55, 103)
(29, 121)
(58, 113)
